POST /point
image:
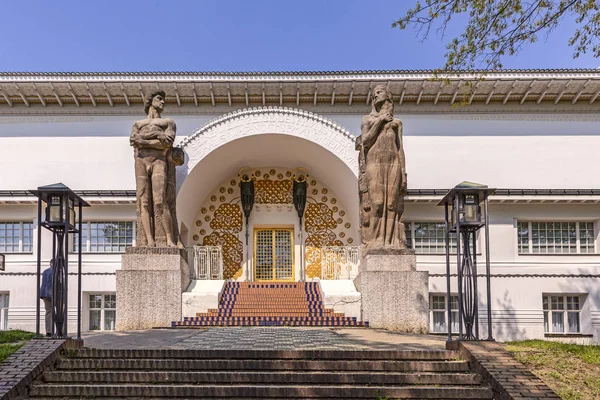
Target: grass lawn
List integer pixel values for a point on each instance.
(11, 341)
(572, 371)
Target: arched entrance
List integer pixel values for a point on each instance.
(273, 141)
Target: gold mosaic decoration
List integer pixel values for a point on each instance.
(273, 186)
(232, 249)
(273, 192)
(228, 217)
(226, 223)
(319, 224)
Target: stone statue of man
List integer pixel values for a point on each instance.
(155, 161)
(382, 177)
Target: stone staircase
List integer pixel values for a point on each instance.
(270, 304)
(261, 374)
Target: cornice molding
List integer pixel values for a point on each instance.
(537, 88)
(186, 76)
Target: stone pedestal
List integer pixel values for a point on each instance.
(394, 294)
(149, 287)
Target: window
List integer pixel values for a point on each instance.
(562, 314)
(438, 314)
(4, 297)
(105, 237)
(16, 237)
(428, 237)
(102, 312)
(556, 237)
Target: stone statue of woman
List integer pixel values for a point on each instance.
(382, 178)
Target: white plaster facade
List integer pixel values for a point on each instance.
(500, 140)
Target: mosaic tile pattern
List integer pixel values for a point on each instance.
(268, 338)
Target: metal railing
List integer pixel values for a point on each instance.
(208, 262)
(339, 262)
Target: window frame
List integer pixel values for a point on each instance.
(5, 307)
(548, 311)
(454, 296)
(412, 244)
(21, 236)
(87, 227)
(578, 238)
(102, 310)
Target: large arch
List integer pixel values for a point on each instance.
(266, 136)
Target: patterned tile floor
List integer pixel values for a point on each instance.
(258, 338)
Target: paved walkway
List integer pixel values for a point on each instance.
(259, 338)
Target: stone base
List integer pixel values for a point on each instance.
(394, 294)
(149, 287)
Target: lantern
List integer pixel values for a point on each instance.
(465, 219)
(62, 220)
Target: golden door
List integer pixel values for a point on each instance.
(274, 254)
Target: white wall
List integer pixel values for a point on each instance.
(516, 299)
(502, 150)
(19, 279)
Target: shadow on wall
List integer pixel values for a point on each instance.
(505, 325)
(181, 172)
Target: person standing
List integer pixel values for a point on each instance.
(46, 295)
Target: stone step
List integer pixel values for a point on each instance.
(267, 313)
(170, 364)
(261, 391)
(281, 318)
(271, 317)
(273, 355)
(279, 378)
(248, 323)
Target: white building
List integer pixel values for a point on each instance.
(533, 134)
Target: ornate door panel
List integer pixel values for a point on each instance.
(273, 255)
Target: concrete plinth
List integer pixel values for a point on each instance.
(394, 294)
(149, 287)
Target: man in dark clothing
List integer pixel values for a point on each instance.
(46, 295)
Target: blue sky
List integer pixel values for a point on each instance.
(233, 35)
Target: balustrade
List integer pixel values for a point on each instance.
(208, 262)
(339, 262)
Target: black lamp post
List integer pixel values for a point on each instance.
(465, 219)
(2, 262)
(299, 198)
(247, 196)
(62, 216)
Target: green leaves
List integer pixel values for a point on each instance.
(497, 28)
